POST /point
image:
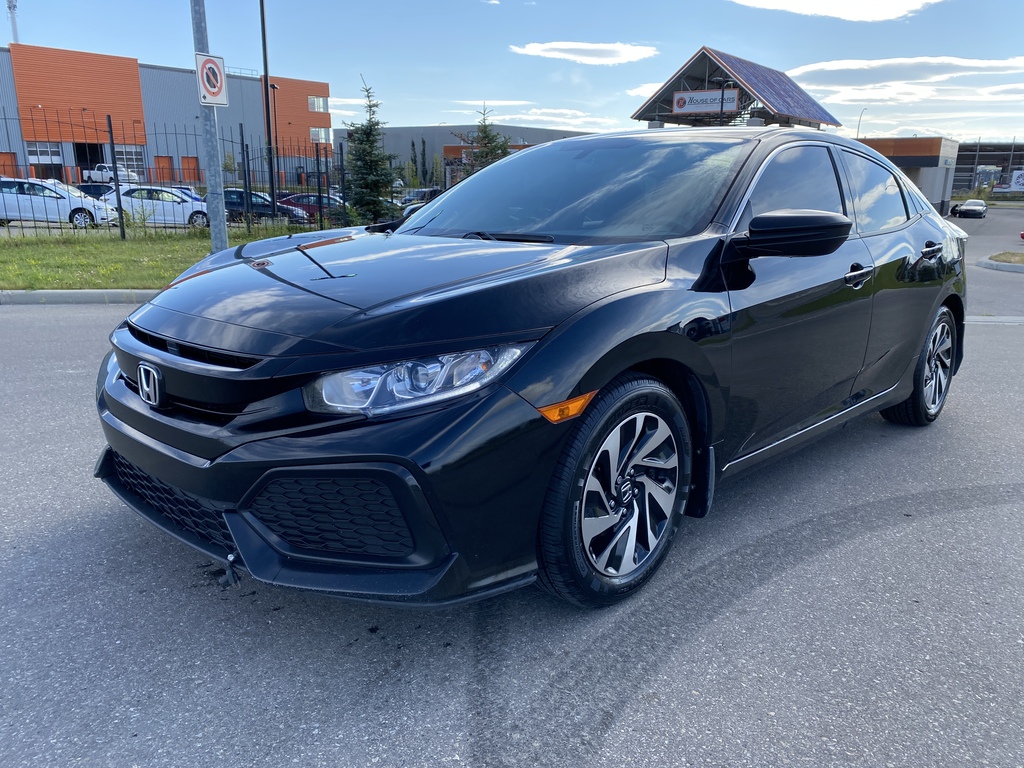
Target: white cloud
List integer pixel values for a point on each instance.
(588, 53)
(924, 68)
(912, 80)
(491, 103)
(848, 10)
(564, 119)
(491, 2)
(335, 101)
(644, 91)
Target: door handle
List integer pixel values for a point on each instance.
(931, 250)
(858, 274)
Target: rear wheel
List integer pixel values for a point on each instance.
(617, 494)
(81, 218)
(932, 376)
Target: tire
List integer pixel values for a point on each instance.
(932, 375)
(606, 529)
(81, 218)
(199, 219)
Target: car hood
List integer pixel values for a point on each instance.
(354, 291)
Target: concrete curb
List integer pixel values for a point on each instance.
(987, 263)
(123, 296)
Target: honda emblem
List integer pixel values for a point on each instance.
(150, 384)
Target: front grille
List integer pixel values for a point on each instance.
(192, 352)
(193, 513)
(352, 516)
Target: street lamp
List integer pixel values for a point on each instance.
(858, 121)
(277, 138)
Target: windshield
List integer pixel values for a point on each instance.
(592, 189)
(259, 197)
(73, 191)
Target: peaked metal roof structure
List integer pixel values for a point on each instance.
(748, 90)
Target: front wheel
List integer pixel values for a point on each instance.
(932, 376)
(617, 494)
(199, 219)
(81, 218)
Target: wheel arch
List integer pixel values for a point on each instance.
(680, 365)
(955, 304)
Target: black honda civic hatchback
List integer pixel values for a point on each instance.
(539, 372)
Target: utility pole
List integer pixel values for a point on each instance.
(215, 209)
(266, 112)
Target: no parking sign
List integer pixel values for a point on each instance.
(213, 85)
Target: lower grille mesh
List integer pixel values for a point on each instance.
(193, 513)
(353, 516)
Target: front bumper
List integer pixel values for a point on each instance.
(432, 509)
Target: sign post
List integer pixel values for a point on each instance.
(213, 85)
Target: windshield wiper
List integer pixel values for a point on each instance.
(511, 237)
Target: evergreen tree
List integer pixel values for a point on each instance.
(489, 146)
(370, 175)
(423, 163)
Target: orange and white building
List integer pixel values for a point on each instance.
(54, 105)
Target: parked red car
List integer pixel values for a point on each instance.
(308, 203)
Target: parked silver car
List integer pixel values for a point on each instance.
(51, 201)
(154, 205)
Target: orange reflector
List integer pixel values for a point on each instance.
(569, 409)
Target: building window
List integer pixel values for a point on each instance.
(130, 157)
(318, 104)
(320, 135)
(43, 152)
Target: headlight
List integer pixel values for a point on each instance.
(380, 389)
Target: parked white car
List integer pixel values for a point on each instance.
(105, 173)
(51, 201)
(161, 206)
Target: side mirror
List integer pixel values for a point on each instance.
(790, 233)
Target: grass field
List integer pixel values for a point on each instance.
(91, 260)
(1008, 257)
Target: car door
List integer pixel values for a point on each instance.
(11, 199)
(167, 207)
(799, 323)
(45, 202)
(910, 250)
(138, 203)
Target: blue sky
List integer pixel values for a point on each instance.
(950, 68)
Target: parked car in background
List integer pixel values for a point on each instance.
(51, 201)
(97, 191)
(188, 191)
(260, 206)
(161, 206)
(420, 196)
(972, 209)
(308, 202)
(105, 173)
(541, 371)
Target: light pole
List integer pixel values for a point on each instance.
(277, 137)
(858, 121)
(266, 111)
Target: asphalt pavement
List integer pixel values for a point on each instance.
(860, 603)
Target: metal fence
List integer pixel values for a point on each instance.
(160, 174)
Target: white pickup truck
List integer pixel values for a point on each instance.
(104, 173)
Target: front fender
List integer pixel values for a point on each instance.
(665, 327)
